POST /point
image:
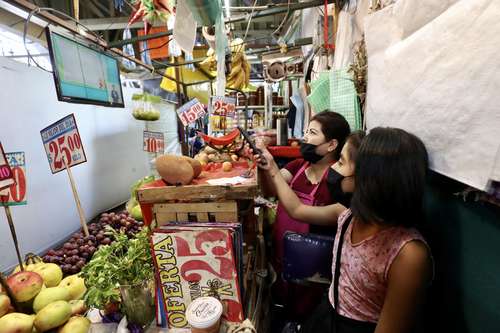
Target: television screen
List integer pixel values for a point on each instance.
(83, 73)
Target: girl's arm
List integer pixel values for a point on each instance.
(319, 215)
(409, 277)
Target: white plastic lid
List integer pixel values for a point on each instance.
(204, 312)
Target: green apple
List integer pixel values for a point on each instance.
(49, 295)
(75, 325)
(4, 304)
(16, 323)
(75, 286)
(53, 315)
(25, 285)
(50, 273)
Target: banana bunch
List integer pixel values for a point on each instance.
(239, 77)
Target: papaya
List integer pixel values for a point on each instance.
(174, 170)
(195, 164)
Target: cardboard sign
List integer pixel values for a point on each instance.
(222, 106)
(6, 176)
(195, 263)
(222, 112)
(153, 142)
(15, 194)
(63, 144)
(190, 112)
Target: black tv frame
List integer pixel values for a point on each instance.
(78, 100)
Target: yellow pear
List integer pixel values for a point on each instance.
(75, 285)
(77, 306)
(49, 295)
(51, 274)
(75, 325)
(16, 322)
(53, 315)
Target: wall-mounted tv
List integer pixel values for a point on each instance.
(83, 71)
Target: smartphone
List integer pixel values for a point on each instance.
(252, 145)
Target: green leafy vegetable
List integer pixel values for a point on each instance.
(123, 262)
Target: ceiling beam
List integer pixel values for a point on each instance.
(270, 11)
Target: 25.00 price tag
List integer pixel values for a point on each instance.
(190, 112)
(63, 144)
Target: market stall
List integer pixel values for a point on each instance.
(137, 205)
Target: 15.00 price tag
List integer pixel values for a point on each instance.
(63, 144)
(6, 176)
(190, 112)
(16, 193)
(153, 142)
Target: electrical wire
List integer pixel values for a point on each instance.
(283, 21)
(48, 9)
(156, 47)
(250, 20)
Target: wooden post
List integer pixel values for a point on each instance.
(77, 199)
(14, 237)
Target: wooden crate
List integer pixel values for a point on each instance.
(226, 211)
(195, 193)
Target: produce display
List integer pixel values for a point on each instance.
(133, 206)
(178, 170)
(239, 77)
(124, 262)
(78, 250)
(40, 308)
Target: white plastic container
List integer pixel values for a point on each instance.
(203, 314)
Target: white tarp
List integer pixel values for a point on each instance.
(434, 70)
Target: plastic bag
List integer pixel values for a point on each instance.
(146, 107)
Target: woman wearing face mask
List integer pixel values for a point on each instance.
(307, 177)
(339, 180)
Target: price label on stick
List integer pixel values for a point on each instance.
(63, 144)
(15, 194)
(222, 106)
(153, 142)
(190, 112)
(6, 176)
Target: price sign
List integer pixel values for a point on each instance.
(190, 112)
(16, 193)
(63, 144)
(153, 142)
(222, 106)
(6, 176)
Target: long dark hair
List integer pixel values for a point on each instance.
(333, 126)
(354, 139)
(390, 174)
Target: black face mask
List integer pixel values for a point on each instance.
(334, 182)
(308, 151)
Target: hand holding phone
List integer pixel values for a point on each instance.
(252, 145)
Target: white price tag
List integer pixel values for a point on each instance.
(63, 144)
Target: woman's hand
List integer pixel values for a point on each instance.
(264, 155)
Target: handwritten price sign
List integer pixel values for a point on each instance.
(190, 112)
(16, 193)
(223, 106)
(154, 142)
(63, 144)
(6, 176)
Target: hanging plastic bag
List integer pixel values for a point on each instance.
(146, 107)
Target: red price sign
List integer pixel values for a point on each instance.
(223, 106)
(190, 112)
(154, 142)
(16, 193)
(6, 176)
(63, 144)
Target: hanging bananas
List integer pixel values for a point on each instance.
(239, 77)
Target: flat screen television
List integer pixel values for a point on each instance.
(83, 71)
